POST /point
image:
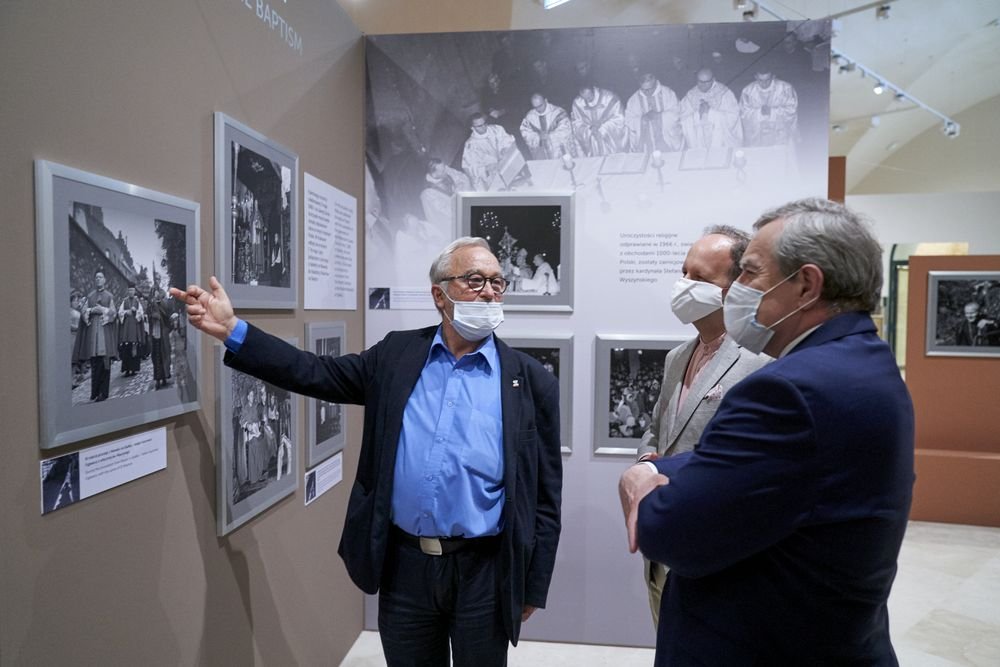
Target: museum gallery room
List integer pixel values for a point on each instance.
(714, 382)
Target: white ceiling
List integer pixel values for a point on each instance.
(946, 53)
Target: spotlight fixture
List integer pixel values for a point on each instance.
(740, 5)
(882, 12)
(838, 128)
(876, 121)
(549, 4)
(878, 89)
(847, 67)
(951, 129)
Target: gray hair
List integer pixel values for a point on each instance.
(838, 241)
(740, 240)
(441, 266)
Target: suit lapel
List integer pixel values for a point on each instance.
(673, 379)
(512, 388)
(724, 359)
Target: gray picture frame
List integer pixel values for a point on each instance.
(563, 345)
(604, 346)
(324, 440)
(948, 293)
(512, 218)
(239, 501)
(72, 242)
(273, 264)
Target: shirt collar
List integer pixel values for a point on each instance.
(486, 349)
(801, 337)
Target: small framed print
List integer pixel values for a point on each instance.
(628, 371)
(326, 426)
(531, 235)
(256, 214)
(555, 354)
(107, 252)
(963, 313)
(257, 463)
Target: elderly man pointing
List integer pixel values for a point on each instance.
(454, 514)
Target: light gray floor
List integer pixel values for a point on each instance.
(944, 610)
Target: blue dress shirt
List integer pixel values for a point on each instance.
(448, 479)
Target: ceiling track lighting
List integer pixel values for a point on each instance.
(845, 63)
(882, 12)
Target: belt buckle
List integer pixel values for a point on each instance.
(431, 546)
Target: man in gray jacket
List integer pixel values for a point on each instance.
(697, 373)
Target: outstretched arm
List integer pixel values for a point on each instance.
(211, 312)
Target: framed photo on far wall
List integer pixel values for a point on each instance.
(256, 214)
(963, 313)
(257, 463)
(115, 349)
(532, 236)
(555, 353)
(628, 371)
(326, 432)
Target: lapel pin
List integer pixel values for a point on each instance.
(516, 383)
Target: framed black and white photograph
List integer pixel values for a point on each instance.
(108, 251)
(532, 236)
(326, 432)
(628, 371)
(555, 354)
(256, 213)
(963, 313)
(257, 463)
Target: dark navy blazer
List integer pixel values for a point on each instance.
(381, 378)
(782, 528)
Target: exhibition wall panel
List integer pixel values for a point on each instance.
(646, 172)
(955, 397)
(136, 575)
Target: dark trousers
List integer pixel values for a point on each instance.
(100, 378)
(425, 601)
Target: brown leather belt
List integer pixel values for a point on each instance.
(442, 546)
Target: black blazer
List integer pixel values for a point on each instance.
(381, 378)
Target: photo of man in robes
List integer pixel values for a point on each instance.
(710, 115)
(485, 149)
(652, 116)
(769, 109)
(130, 332)
(599, 122)
(547, 130)
(99, 333)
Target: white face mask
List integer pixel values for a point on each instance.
(475, 320)
(740, 315)
(692, 299)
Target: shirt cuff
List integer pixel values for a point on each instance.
(652, 466)
(235, 340)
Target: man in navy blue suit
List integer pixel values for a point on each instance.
(454, 513)
(782, 528)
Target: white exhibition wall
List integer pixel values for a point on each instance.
(632, 226)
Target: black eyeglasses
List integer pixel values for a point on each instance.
(477, 281)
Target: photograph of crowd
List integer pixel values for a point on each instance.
(964, 313)
(128, 336)
(552, 109)
(634, 387)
